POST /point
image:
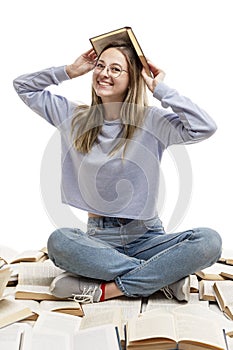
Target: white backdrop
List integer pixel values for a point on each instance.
(190, 39)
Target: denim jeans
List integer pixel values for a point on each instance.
(138, 255)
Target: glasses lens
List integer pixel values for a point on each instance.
(115, 70)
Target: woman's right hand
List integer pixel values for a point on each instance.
(82, 65)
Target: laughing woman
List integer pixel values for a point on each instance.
(111, 152)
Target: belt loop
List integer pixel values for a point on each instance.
(101, 222)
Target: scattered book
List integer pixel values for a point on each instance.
(54, 331)
(206, 291)
(124, 34)
(17, 336)
(227, 271)
(63, 332)
(194, 285)
(67, 307)
(107, 317)
(101, 337)
(177, 328)
(214, 272)
(227, 256)
(224, 297)
(8, 256)
(159, 301)
(5, 274)
(11, 311)
(34, 280)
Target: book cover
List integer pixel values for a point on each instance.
(124, 34)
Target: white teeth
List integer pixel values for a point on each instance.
(104, 84)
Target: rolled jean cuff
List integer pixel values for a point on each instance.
(122, 288)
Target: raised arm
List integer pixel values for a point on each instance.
(186, 123)
(32, 88)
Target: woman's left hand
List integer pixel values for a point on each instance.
(157, 76)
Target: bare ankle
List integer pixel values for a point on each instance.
(111, 291)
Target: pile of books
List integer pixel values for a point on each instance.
(33, 319)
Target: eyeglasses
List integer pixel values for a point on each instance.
(114, 70)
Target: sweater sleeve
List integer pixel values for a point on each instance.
(31, 88)
(184, 123)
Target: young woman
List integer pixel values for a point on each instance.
(111, 153)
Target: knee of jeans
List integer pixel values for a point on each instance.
(56, 242)
(212, 243)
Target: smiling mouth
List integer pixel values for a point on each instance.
(103, 83)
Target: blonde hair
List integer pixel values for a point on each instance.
(88, 120)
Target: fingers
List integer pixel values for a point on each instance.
(90, 54)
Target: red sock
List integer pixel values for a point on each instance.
(102, 287)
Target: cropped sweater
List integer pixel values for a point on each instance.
(111, 185)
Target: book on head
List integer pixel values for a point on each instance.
(124, 34)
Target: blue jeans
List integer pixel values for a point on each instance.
(138, 255)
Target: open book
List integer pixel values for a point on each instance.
(67, 307)
(206, 291)
(9, 256)
(11, 311)
(34, 280)
(181, 328)
(224, 297)
(124, 34)
(214, 272)
(16, 337)
(5, 274)
(227, 256)
(65, 332)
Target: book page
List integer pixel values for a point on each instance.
(11, 311)
(227, 271)
(205, 326)
(194, 328)
(212, 272)
(48, 305)
(97, 338)
(33, 305)
(32, 289)
(225, 289)
(5, 274)
(206, 291)
(131, 307)
(227, 256)
(10, 337)
(38, 273)
(161, 326)
(158, 300)
(28, 255)
(54, 321)
(109, 316)
(194, 285)
(47, 339)
(7, 253)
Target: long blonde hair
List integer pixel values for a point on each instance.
(88, 120)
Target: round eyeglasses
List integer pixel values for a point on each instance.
(114, 70)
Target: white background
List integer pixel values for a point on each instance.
(190, 39)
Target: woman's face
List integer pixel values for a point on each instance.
(110, 76)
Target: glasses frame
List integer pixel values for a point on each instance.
(109, 72)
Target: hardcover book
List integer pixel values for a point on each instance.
(124, 34)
